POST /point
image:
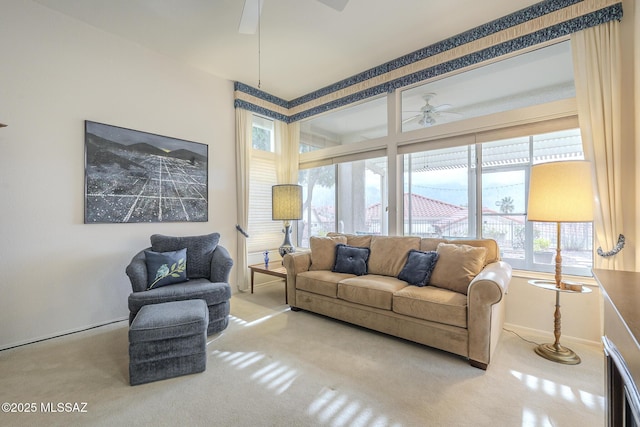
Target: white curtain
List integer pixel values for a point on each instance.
(287, 143)
(597, 73)
(243, 160)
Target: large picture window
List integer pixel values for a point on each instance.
(440, 199)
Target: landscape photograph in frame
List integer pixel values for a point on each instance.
(133, 176)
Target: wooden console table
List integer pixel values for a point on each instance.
(621, 295)
(277, 270)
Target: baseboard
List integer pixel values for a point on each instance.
(549, 335)
(62, 334)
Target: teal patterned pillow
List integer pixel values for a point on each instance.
(165, 268)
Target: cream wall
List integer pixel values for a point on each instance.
(56, 273)
(531, 309)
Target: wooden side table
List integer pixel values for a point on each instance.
(277, 270)
(556, 352)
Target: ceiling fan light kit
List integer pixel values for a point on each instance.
(428, 113)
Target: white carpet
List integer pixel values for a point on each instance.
(274, 367)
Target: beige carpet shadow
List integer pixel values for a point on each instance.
(274, 367)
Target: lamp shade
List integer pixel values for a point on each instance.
(286, 202)
(561, 192)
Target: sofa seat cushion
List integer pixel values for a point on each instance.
(371, 290)
(433, 304)
(211, 292)
(321, 282)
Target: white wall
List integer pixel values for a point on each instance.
(56, 273)
(532, 308)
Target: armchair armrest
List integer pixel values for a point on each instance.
(137, 272)
(295, 263)
(486, 311)
(221, 263)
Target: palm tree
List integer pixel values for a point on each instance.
(506, 205)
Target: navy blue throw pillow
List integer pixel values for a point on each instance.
(351, 259)
(418, 268)
(165, 268)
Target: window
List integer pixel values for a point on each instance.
(265, 234)
(515, 82)
(439, 193)
(348, 197)
(263, 134)
(440, 199)
(361, 122)
(318, 203)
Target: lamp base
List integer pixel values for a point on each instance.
(558, 353)
(286, 247)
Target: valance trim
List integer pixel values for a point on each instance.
(399, 72)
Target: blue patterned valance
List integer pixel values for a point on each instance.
(540, 23)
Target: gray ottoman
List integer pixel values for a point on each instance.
(168, 340)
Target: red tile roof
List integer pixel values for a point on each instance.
(423, 207)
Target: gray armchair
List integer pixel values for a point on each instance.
(208, 268)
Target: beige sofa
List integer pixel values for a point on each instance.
(461, 310)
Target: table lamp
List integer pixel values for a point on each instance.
(286, 202)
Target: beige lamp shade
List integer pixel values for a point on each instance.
(561, 192)
(286, 201)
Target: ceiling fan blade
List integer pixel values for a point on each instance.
(335, 4)
(250, 16)
(442, 107)
(411, 119)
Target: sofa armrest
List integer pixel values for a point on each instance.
(221, 263)
(295, 263)
(137, 272)
(485, 301)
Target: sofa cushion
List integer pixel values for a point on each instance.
(351, 259)
(165, 268)
(433, 304)
(389, 253)
(371, 290)
(199, 251)
(211, 292)
(320, 282)
(359, 240)
(323, 251)
(457, 266)
(418, 268)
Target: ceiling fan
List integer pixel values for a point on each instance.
(252, 9)
(429, 113)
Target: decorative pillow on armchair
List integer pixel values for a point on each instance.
(165, 268)
(351, 259)
(417, 271)
(199, 251)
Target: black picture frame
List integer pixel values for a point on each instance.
(133, 176)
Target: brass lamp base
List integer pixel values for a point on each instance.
(558, 353)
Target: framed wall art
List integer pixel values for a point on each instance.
(133, 176)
